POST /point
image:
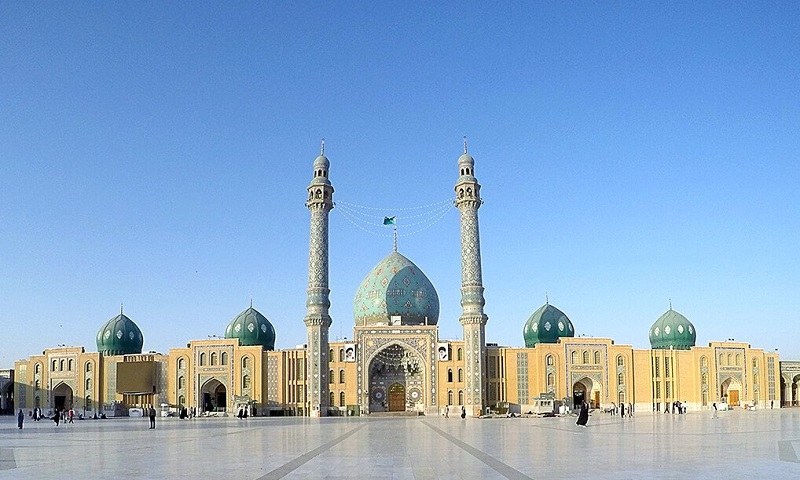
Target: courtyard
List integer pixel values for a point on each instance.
(738, 444)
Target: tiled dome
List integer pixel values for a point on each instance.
(547, 325)
(119, 336)
(252, 328)
(396, 288)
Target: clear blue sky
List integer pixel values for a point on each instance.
(157, 154)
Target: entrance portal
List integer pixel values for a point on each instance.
(729, 391)
(586, 390)
(397, 398)
(214, 396)
(62, 397)
(396, 380)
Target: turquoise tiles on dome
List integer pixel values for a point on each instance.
(396, 287)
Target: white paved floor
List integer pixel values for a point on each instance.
(737, 445)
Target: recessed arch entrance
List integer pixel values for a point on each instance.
(214, 396)
(396, 380)
(62, 396)
(730, 390)
(588, 390)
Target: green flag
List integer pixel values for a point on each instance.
(388, 220)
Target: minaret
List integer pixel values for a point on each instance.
(318, 320)
(468, 201)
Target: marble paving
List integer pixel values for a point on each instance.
(738, 444)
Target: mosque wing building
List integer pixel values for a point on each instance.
(396, 363)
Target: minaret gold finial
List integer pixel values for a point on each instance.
(251, 301)
(546, 299)
(322, 147)
(670, 304)
(465, 144)
(395, 238)
(120, 308)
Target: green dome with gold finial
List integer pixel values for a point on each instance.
(252, 328)
(119, 336)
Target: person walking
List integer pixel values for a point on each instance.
(71, 415)
(463, 412)
(152, 415)
(57, 417)
(583, 416)
(714, 415)
(20, 418)
(447, 411)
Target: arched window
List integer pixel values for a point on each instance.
(585, 356)
(71, 364)
(574, 357)
(332, 397)
(181, 382)
(730, 359)
(449, 374)
(330, 377)
(341, 376)
(88, 402)
(721, 359)
(38, 368)
(87, 368)
(224, 358)
(620, 379)
(738, 360)
(341, 354)
(181, 400)
(61, 365)
(551, 379)
(449, 397)
(461, 397)
(55, 365)
(755, 363)
(330, 354)
(246, 381)
(202, 359)
(459, 354)
(213, 358)
(549, 360)
(596, 357)
(341, 399)
(88, 384)
(703, 362)
(460, 375)
(620, 361)
(245, 362)
(182, 363)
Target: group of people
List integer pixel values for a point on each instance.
(622, 410)
(677, 407)
(242, 413)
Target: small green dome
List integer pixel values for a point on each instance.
(119, 336)
(396, 288)
(547, 325)
(672, 330)
(252, 328)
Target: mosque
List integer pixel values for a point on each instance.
(396, 361)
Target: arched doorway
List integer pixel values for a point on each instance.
(214, 396)
(794, 390)
(396, 378)
(397, 398)
(729, 391)
(588, 390)
(62, 397)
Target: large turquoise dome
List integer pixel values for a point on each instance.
(547, 325)
(672, 330)
(396, 288)
(252, 328)
(119, 336)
